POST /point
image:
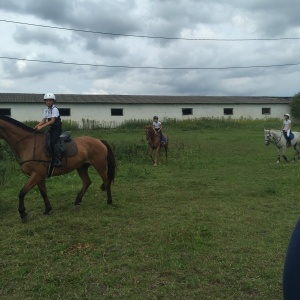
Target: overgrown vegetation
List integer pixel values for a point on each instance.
(211, 223)
(168, 123)
(295, 106)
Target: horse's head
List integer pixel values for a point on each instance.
(268, 137)
(149, 132)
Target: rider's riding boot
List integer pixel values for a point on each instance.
(57, 162)
(161, 138)
(289, 143)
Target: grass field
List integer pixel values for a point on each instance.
(213, 222)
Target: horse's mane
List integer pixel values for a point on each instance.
(149, 127)
(16, 123)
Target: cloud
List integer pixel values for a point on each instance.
(214, 20)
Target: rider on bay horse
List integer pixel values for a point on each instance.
(51, 118)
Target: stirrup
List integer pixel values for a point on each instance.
(57, 163)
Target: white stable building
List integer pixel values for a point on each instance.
(111, 110)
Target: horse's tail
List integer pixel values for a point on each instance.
(111, 160)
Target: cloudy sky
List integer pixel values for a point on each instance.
(150, 47)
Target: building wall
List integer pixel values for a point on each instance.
(102, 112)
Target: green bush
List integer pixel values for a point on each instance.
(295, 106)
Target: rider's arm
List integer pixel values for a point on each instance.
(41, 123)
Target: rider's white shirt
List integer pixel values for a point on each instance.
(286, 124)
(51, 112)
(157, 124)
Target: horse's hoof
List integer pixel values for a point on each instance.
(76, 206)
(109, 202)
(24, 218)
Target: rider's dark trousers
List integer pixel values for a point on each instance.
(55, 131)
(286, 137)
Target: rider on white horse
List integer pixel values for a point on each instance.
(286, 128)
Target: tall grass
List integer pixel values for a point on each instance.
(188, 124)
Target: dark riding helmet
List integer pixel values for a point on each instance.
(155, 117)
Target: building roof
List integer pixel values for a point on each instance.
(142, 99)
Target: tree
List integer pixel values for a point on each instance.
(295, 106)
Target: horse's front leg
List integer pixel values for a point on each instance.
(278, 155)
(157, 152)
(33, 180)
(151, 154)
(283, 153)
(43, 192)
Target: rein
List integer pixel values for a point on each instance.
(37, 160)
(34, 147)
(26, 136)
(275, 141)
(150, 135)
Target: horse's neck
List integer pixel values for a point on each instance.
(18, 138)
(276, 133)
(153, 134)
(154, 137)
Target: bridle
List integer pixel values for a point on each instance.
(150, 135)
(268, 138)
(34, 147)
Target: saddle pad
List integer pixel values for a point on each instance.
(70, 149)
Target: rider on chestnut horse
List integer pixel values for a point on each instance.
(158, 127)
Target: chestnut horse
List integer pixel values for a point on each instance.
(28, 145)
(154, 142)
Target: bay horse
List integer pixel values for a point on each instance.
(277, 138)
(28, 145)
(154, 142)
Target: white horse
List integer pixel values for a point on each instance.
(277, 138)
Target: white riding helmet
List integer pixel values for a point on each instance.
(49, 96)
(288, 115)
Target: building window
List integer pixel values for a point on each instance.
(266, 111)
(228, 111)
(187, 111)
(5, 112)
(117, 111)
(65, 112)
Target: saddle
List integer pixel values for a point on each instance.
(66, 143)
